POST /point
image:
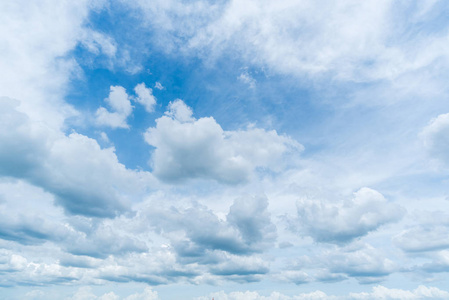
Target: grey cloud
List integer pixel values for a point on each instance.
(250, 216)
(342, 222)
(248, 228)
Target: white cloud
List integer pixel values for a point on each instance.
(247, 228)
(145, 97)
(84, 178)
(436, 138)
(189, 148)
(121, 106)
(343, 221)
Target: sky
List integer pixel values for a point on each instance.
(234, 149)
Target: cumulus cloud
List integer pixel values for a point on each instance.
(436, 138)
(84, 178)
(247, 229)
(145, 97)
(344, 221)
(121, 107)
(190, 148)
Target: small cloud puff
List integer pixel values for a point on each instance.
(145, 97)
(158, 86)
(121, 107)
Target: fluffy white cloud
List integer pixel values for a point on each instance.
(343, 221)
(145, 96)
(121, 106)
(189, 148)
(436, 137)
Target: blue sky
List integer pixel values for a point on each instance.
(232, 149)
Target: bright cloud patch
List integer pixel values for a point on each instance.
(342, 222)
(190, 148)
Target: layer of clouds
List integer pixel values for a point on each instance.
(378, 292)
(344, 221)
(190, 148)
